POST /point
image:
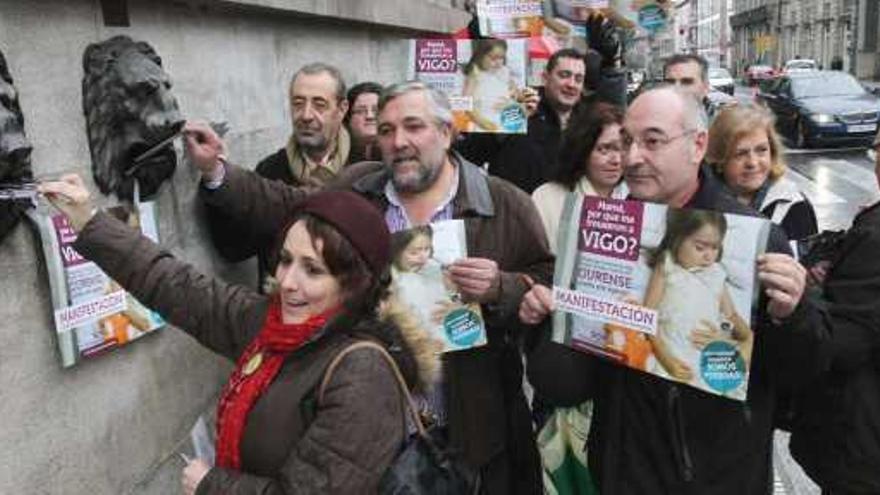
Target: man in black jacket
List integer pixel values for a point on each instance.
(529, 160)
(572, 80)
(691, 72)
(650, 435)
(836, 432)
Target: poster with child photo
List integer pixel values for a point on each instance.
(663, 290)
(510, 18)
(93, 314)
(421, 282)
(484, 79)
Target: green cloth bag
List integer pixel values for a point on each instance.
(562, 444)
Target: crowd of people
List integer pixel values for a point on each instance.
(365, 163)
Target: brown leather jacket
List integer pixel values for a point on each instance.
(291, 443)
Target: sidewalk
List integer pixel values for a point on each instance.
(789, 478)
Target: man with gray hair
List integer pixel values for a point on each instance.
(479, 402)
(317, 150)
(650, 435)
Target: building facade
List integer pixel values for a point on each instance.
(771, 32)
(711, 30)
(698, 26)
(866, 40)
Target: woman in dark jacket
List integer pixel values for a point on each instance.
(746, 153)
(273, 434)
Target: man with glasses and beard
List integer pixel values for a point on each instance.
(479, 402)
(651, 435)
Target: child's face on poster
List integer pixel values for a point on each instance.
(700, 249)
(494, 59)
(416, 253)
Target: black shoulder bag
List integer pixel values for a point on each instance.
(421, 466)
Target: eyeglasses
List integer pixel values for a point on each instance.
(651, 140)
(365, 110)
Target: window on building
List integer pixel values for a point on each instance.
(871, 12)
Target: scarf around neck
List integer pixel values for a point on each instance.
(306, 171)
(254, 371)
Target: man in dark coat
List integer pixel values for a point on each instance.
(572, 80)
(317, 150)
(481, 402)
(691, 72)
(836, 432)
(650, 435)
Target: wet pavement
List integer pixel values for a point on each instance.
(837, 181)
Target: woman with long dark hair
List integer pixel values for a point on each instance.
(590, 163)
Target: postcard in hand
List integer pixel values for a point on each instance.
(421, 256)
(663, 290)
(482, 79)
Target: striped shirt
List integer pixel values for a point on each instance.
(433, 402)
(396, 217)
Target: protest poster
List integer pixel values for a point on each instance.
(420, 281)
(573, 14)
(92, 313)
(648, 15)
(663, 290)
(482, 79)
(510, 18)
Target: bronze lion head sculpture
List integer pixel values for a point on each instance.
(15, 150)
(129, 107)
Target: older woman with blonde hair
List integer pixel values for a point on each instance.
(746, 152)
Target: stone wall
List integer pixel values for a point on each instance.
(111, 425)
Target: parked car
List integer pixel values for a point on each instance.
(720, 100)
(800, 65)
(823, 107)
(720, 79)
(757, 73)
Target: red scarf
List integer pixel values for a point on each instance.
(254, 372)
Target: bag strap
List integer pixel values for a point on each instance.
(401, 383)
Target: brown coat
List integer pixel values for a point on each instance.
(291, 444)
(488, 417)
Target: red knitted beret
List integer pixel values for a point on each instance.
(357, 220)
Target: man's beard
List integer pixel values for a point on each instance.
(424, 177)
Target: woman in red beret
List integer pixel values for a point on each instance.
(274, 435)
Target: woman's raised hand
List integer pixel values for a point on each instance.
(71, 197)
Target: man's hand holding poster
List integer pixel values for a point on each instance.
(421, 281)
(667, 291)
